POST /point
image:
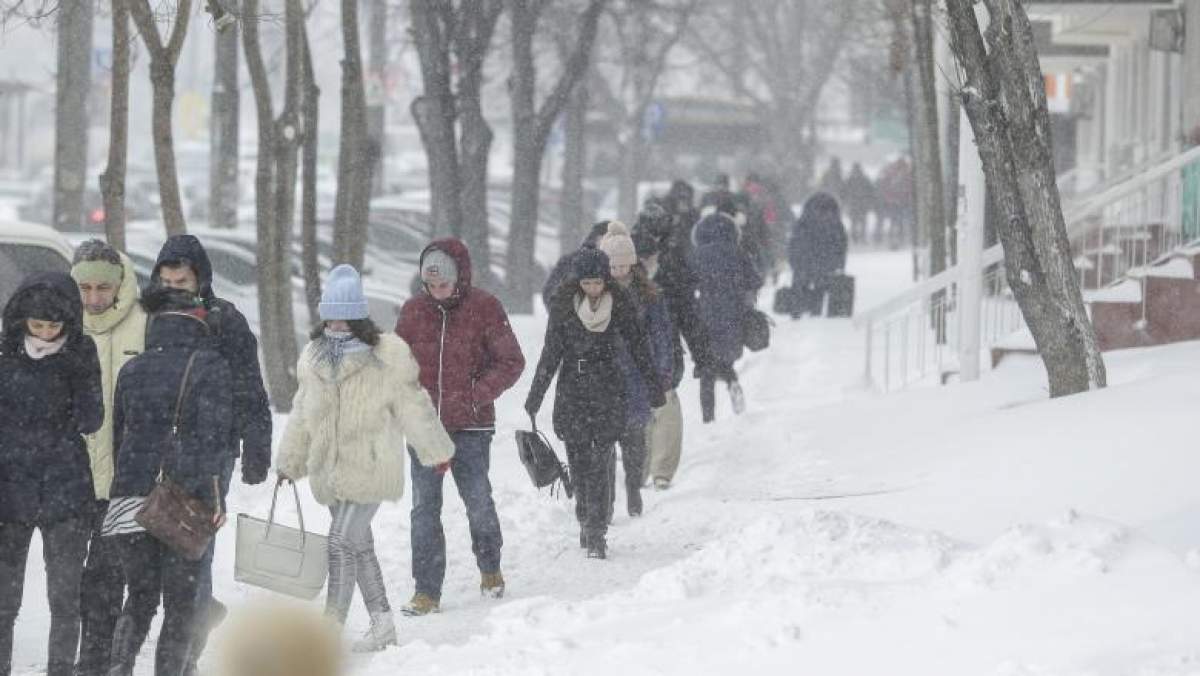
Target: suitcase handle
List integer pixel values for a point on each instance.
(299, 513)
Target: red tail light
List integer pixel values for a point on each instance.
(96, 216)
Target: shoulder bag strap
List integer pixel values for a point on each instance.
(183, 384)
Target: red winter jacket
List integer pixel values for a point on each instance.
(465, 347)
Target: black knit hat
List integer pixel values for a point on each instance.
(588, 263)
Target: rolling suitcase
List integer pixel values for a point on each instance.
(841, 296)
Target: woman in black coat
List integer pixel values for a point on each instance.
(50, 396)
(143, 418)
(587, 315)
(817, 252)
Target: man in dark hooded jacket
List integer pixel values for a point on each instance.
(184, 264)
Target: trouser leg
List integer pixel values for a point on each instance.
(14, 551)
(101, 593)
(708, 398)
(428, 538)
(596, 461)
(472, 462)
(576, 463)
(351, 553)
(665, 440)
(633, 462)
(181, 600)
(208, 609)
(141, 562)
(64, 546)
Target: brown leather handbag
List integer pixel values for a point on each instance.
(170, 514)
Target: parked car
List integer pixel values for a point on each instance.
(26, 248)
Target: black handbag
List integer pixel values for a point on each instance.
(540, 460)
(756, 330)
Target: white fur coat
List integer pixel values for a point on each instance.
(347, 432)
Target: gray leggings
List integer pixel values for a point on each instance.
(352, 559)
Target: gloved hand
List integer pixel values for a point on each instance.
(282, 478)
(531, 407)
(442, 467)
(657, 398)
(253, 475)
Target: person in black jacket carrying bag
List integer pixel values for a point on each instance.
(144, 417)
(587, 316)
(50, 396)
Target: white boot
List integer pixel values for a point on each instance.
(737, 398)
(381, 634)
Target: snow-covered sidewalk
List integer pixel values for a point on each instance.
(973, 529)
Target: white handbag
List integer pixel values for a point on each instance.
(283, 559)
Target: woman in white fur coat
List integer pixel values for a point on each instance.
(358, 403)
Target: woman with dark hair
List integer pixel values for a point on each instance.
(148, 411)
(590, 316)
(359, 395)
(50, 397)
(817, 252)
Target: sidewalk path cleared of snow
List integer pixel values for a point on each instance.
(977, 529)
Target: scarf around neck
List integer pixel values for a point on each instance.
(37, 348)
(333, 347)
(596, 320)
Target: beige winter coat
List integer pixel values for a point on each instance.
(347, 432)
(120, 335)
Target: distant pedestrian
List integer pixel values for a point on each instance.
(587, 316)
(832, 181)
(358, 402)
(860, 200)
(50, 397)
(817, 252)
(468, 356)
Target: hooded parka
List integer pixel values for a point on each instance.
(46, 408)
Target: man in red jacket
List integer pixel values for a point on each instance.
(468, 356)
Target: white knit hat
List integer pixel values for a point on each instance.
(618, 244)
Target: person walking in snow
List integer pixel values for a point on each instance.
(50, 398)
(358, 400)
(727, 284)
(562, 269)
(860, 200)
(651, 312)
(817, 252)
(183, 264)
(116, 323)
(589, 313)
(148, 411)
(468, 356)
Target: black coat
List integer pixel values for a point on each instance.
(144, 411)
(46, 406)
(251, 431)
(818, 245)
(590, 400)
(677, 281)
(727, 281)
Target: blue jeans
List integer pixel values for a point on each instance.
(472, 458)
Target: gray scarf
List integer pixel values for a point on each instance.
(333, 346)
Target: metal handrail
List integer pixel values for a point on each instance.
(1076, 214)
(925, 289)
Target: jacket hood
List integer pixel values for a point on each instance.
(820, 211)
(455, 249)
(51, 293)
(127, 298)
(716, 228)
(187, 247)
(176, 330)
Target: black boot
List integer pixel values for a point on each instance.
(633, 499)
(596, 547)
(583, 539)
(127, 641)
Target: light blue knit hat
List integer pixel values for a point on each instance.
(342, 298)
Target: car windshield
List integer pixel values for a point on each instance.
(18, 261)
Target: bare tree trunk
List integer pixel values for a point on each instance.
(355, 157)
(1005, 102)
(377, 104)
(927, 174)
(308, 228)
(163, 59)
(112, 181)
(531, 129)
(953, 125)
(74, 81)
(574, 221)
(475, 144)
(223, 142)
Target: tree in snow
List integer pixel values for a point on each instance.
(112, 181)
(356, 153)
(163, 59)
(1005, 100)
(74, 82)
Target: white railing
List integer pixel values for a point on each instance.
(1116, 230)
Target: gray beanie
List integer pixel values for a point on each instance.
(342, 298)
(438, 266)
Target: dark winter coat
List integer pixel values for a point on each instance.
(144, 411)
(590, 400)
(818, 245)
(860, 193)
(251, 431)
(654, 318)
(677, 282)
(46, 406)
(465, 347)
(727, 281)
